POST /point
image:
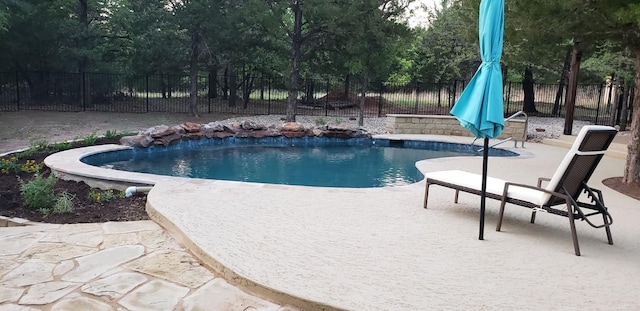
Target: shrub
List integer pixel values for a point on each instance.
(35, 145)
(320, 121)
(38, 193)
(63, 145)
(64, 203)
(90, 139)
(9, 164)
(110, 134)
(30, 166)
(105, 196)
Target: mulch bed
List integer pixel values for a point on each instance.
(616, 184)
(85, 210)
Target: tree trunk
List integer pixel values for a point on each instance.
(296, 55)
(632, 167)
(572, 89)
(225, 84)
(622, 120)
(563, 82)
(83, 18)
(193, 75)
(247, 88)
(163, 86)
(213, 83)
(529, 105)
(310, 92)
(347, 86)
(233, 88)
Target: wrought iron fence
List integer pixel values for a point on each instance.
(251, 95)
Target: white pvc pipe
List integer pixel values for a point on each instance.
(133, 189)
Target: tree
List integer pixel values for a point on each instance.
(625, 22)
(311, 22)
(372, 29)
(529, 94)
(448, 49)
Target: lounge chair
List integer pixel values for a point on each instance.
(562, 193)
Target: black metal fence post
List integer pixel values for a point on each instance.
(84, 91)
(455, 92)
(439, 94)
(598, 106)
(147, 90)
(269, 97)
(380, 101)
(415, 106)
(209, 92)
(509, 97)
(326, 101)
(18, 91)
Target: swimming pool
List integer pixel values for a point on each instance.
(326, 162)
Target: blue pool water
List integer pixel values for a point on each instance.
(324, 162)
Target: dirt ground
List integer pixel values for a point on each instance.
(20, 129)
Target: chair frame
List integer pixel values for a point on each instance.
(561, 195)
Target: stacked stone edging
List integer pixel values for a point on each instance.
(447, 125)
(163, 135)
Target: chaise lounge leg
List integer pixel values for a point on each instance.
(574, 235)
(500, 215)
(608, 230)
(609, 238)
(455, 199)
(426, 195)
(533, 217)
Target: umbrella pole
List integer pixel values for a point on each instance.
(483, 196)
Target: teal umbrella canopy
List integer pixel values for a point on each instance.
(480, 107)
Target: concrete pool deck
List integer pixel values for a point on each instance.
(378, 249)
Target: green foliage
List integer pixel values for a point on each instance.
(111, 134)
(320, 121)
(64, 203)
(35, 146)
(105, 196)
(62, 145)
(39, 193)
(9, 164)
(448, 49)
(90, 139)
(13, 164)
(30, 166)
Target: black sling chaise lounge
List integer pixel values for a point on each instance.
(562, 193)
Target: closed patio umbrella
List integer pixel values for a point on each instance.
(479, 108)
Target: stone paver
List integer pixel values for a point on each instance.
(81, 303)
(28, 273)
(114, 286)
(10, 294)
(44, 293)
(180, 267)
(55, 252)
(154, 295)
(93, 265)
(106, 267)
(220, 295)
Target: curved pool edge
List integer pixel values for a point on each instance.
(227, 271)
(67, 165)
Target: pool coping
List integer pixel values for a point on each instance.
(67, 165)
